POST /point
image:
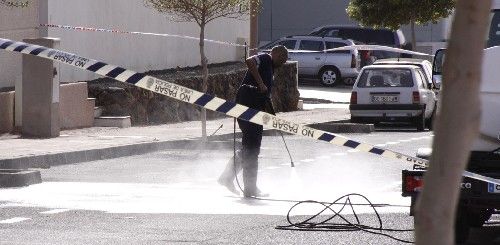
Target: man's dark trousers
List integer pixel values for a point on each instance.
(252, 137)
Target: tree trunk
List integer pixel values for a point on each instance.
(413, 38)
(254, 28)
(204, 84)
(457, 125)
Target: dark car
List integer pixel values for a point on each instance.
(364, 35)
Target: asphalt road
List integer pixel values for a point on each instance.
(171, 197)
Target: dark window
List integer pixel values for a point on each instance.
(386, 78)
(369, 36)
(311, 45)
(330, 45)
(289, 44)
(493, 38)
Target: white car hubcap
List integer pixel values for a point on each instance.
(329, 77)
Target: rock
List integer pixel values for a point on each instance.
(146, 107)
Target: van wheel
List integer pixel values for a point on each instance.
(329, 76)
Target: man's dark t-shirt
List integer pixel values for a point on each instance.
(265, 68)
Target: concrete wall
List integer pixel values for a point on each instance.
(281, 18)
(139, 53)
(17, 24)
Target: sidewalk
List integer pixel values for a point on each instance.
(95, 143)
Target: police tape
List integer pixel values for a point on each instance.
(92, 29)
(379, 48)
(210, 102)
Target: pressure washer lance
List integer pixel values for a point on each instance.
(270, 109)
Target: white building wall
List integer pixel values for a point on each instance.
(139, 53)
(16, 24)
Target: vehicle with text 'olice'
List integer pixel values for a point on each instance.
(393, 93)
(478, 200)
(315, 60)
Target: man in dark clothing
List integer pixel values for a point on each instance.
(255, 92)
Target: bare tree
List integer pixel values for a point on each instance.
(203, 12)
(457, 124)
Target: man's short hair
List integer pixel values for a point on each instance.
(280, 50)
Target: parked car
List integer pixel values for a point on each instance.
(364, 35)
(393, 93)
(425, 65)
(316, 60)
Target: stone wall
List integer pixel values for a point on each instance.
(146, 107)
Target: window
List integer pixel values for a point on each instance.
(493, 38)
(311, 45)
(386, 78)
(330, 45)
(289, 44)
(420, 76)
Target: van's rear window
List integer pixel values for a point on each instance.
(385, 78)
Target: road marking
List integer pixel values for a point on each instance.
(353, 151)
(55, 211)
(13, 220)
(272, 168)
(392, 143)
(307, 160)
(404, 141)
(339, 154)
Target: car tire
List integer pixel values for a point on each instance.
(420, 121)
(430, 122)
(329, 76)
(349, 81)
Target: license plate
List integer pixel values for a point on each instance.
(492, 188)
(385, 99)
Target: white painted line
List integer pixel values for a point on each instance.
(353, 151)
(404, 141)
(339, 154)
(392, 143)
(55, 211)
(272, 168)
(307, 160)
(13, 220)
(380, 145)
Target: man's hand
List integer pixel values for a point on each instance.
(262, 87)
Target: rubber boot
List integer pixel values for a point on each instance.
(250, 170)
(233, 168)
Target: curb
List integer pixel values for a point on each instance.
(216, 142)
(48, 160)
(18, 178)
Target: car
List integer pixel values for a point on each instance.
(365, 35)
(316, 60)
(393, 93)
(425, 65)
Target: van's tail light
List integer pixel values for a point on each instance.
(353, 61)
(416, 97)
(354, 98)
(413, 184)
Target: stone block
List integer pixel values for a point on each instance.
(7, 112)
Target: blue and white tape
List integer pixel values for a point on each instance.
(210, 102)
